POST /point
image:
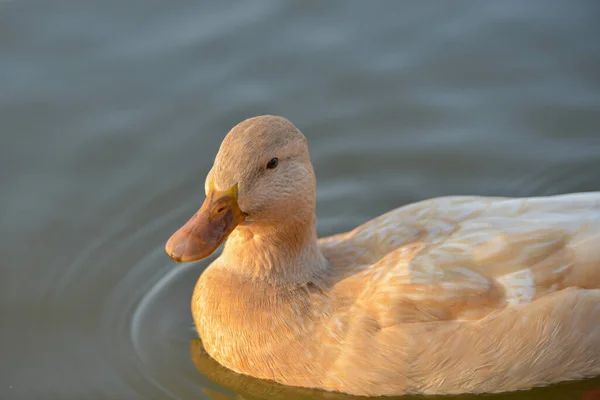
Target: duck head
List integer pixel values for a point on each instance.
(261, 180)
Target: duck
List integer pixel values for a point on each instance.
(449, 295)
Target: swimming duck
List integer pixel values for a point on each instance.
(460, 294)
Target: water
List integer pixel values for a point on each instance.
(111, 113)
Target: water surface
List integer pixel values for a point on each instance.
(111, 113)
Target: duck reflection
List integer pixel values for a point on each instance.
(248, 388)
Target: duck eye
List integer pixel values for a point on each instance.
(272, 163)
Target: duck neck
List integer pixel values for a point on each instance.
(276, 252)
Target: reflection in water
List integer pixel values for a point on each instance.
(249, 388)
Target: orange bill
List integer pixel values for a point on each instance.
(208, 228)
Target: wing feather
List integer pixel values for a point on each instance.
(465, 257)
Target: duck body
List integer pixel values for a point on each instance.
(444, 296)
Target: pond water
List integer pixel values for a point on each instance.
(111, 113)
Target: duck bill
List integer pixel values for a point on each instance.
(208, 228)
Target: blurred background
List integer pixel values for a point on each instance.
(111, 113)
